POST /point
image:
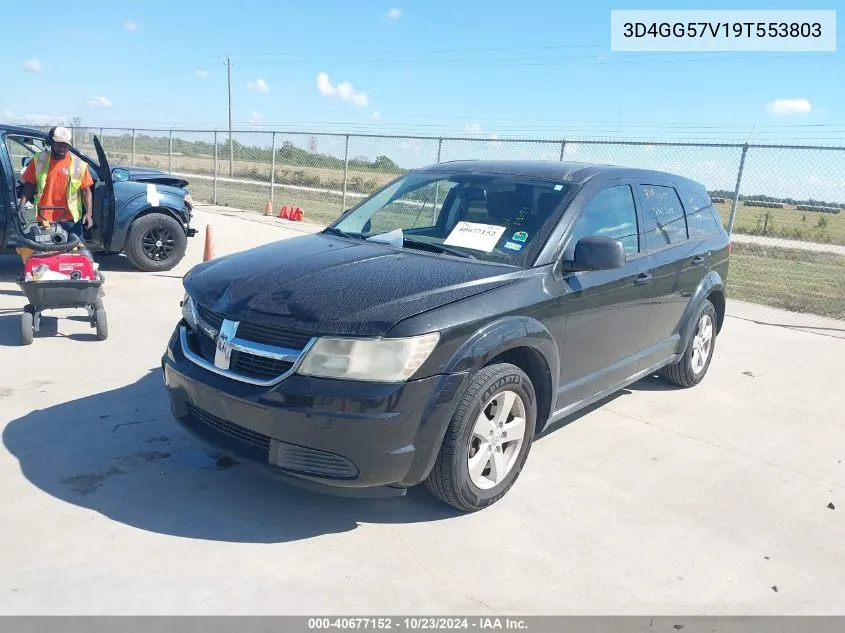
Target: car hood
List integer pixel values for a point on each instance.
(322, 284)
(154, 176)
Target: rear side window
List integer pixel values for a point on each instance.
(665, 222)
(702, 220)
(611, 213)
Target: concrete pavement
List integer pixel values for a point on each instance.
(658, 501)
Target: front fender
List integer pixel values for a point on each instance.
(493, 339)
(502, 335)
(712, 282)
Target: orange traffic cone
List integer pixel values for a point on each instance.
(268, 209)
(209, 244)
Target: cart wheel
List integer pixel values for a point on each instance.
(102, 323)
(27, 327)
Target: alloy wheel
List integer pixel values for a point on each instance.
(497, 437)
(702, 342)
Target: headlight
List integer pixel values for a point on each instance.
(189, 311)
(371, 360)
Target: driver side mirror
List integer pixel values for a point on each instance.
(119, 174)
(596, 253)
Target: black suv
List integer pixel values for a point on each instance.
(437, 327)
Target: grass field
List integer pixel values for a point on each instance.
(800, 281)
(789, 223)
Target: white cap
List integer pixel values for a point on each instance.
(61, 135)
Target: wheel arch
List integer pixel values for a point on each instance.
(520, 341)
(711, 288)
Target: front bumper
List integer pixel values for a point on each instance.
(335, 436)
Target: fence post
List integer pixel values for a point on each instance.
(562, 149)
(72, 135)
(439, 148)
(133, 148)
(273, 175)
(214, 194)
(345, 171)
(736, 189)
(170, 154)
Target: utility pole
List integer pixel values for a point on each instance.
(231, 147)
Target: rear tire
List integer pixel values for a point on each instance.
(156, 243)
(27, 327)
(488, 440)
(693, 366)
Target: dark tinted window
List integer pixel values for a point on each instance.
(611, 213)
(701, 216)
(663, 216)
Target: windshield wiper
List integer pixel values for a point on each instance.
(334, 231)
(438, 247)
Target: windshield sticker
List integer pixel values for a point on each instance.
(558, 187)
(520, 236)
(480, 237)
(513, 246)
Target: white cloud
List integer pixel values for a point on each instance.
(32, 65)
(201, 73)
(473, 128)
(785, 107)
(259, 85)
(394, 14)
(256, 118)
(131, 25)
(98, 102)
(376, 115)
(343, 91)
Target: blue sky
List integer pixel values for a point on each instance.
(484, 69)
(434, 66)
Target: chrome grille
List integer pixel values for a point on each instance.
(251, 352)
(258, 366)
(258, 332)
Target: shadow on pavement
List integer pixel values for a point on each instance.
(120, 453)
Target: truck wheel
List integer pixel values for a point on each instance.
(27, 327)
(487, 441)
(156, 243)
(690, 370)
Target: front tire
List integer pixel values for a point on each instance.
(488, 439)
(156, 243)
(693, 366)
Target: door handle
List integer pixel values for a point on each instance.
(698, 259)
(642, 279)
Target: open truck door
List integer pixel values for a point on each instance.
(102, 231)
(8, 201)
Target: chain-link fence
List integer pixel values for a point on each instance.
(784, 205)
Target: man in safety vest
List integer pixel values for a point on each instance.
(58, 183)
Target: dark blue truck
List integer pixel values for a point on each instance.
(143, 213)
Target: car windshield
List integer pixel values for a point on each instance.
(497, 218)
